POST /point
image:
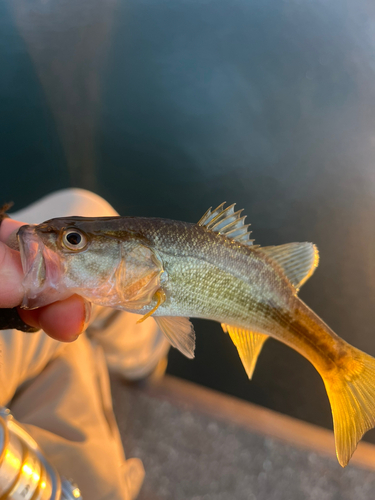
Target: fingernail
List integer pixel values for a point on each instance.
(88, 309)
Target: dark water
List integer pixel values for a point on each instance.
(166, 108)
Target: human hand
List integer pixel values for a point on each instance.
(63, 320)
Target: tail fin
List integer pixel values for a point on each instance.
(351, 392)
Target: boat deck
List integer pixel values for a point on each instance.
(197, 444)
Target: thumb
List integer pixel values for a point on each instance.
(11, 275)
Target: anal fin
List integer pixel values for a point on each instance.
(249, 345)
(179, 332)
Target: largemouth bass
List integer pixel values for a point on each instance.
(176, 270)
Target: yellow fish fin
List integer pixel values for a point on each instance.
(248, 343)
(179, 332)
(297, 260)
(351, 392)
(160, 298)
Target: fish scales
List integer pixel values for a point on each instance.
(201, 290)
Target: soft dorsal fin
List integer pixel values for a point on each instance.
(248, 343)
(227, 222)
(297, 260)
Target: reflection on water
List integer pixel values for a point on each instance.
(68, 42)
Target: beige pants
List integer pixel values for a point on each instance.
(60, 392)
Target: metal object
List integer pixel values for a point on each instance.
(25, 473)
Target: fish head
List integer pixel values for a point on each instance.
(94, 258)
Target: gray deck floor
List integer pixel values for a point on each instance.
(189, 455)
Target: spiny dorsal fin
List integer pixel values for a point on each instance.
(227, 222)
(248, 343)
(297, 260)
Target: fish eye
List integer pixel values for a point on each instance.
(73, 239)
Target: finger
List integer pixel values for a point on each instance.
(11, 275)
(64, 320)
(8, 227)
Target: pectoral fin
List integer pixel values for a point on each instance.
(179, 332)
(160, 298)
(248, 343)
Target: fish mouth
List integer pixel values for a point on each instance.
(41, 267)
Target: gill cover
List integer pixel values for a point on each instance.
(138, 275)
